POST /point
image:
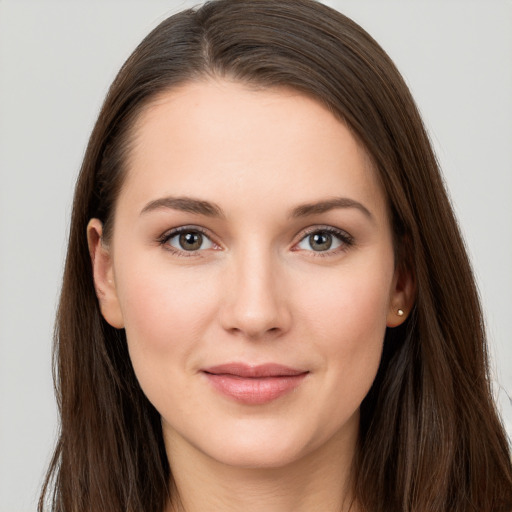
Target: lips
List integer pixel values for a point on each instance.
(254, 385)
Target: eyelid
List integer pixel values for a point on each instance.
(346, 239)
(171, 233)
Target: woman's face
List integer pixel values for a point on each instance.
(252, 267)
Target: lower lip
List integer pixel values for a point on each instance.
(254, 390)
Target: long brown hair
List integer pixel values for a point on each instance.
(430, 437)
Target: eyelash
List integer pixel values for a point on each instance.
(164, 239)
(346, 240)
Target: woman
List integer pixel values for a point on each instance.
(267, 304)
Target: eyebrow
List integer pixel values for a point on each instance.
(316, 208)
(209, 209)
(185, 204)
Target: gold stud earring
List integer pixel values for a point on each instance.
(400, 312)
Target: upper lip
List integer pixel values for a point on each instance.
(254, 371)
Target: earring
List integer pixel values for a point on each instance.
(400, 312)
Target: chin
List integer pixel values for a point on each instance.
(260, 455)
(268, 444)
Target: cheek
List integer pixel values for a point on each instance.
(166, 314)
(349, 305)
(165, 311)
(346, 318)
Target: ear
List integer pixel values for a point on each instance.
(103, 274)
(403, 293)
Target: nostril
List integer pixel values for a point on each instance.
(255, 310)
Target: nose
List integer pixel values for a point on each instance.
(256, 303)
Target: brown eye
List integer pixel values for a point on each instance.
(188, 240)
(325, 240)
(320, 241)
(191, 241)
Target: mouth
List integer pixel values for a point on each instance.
(254, 385)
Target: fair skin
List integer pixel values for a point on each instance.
(257, 275)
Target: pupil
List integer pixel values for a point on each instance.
(191, 241)
(321, 241)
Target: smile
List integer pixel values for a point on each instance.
(254, 385)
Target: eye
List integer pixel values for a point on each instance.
(188, 240)
(325, 240)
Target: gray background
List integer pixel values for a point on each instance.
(57, 59)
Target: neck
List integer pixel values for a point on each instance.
(322, 480)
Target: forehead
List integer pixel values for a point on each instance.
(214, 137)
